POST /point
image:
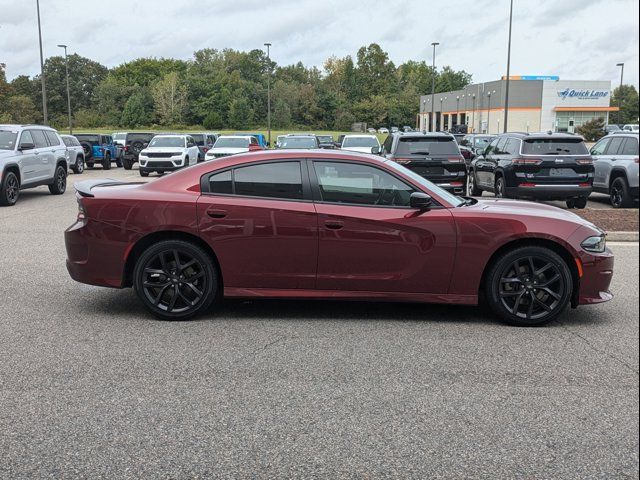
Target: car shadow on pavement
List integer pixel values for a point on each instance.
(124, 303)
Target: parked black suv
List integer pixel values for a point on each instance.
(544, 166)
(434, 156)
(134, 143)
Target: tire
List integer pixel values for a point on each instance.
(619, 193)
(500, 188)
(87, 148)
(137, 147)
(571, 203)
(538, 288)
(9, 189)
(144, 173)
(161, 279)
(106, 162)
(581, 203)
(118, 163)
(90, 165)
(59, 185)
(78, 167)
(127, 164)
(472, 187)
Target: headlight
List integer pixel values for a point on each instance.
(596, 244)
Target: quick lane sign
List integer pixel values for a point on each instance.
(582, 94)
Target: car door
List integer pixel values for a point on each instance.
(262, 224)
(29, 161)
(45, 153)
(601, 163)
(483, 165)
(611, 155)
(370, 239)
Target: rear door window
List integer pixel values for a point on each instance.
(630, 147)
(52, 137)
(513, 147)
(600, 147)
(554, 146)
(614, 146)
(221, 183)
(274, 180)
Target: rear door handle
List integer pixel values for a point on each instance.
(216, 213)
(333, 224)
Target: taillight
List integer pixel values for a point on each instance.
(82, 213)
(584, 161)
(459, 159)
(527, 161)
(637, 160)
(126, 148)
(206, 149)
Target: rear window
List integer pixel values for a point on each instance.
(427, 146)
(356, 142)
(551, 146)
(199, 139)
(92, 139)
(232, 142)
(298, 142)
(144, 137)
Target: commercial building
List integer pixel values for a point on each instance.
(535, 104)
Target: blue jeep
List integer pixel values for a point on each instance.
(100, 148)
(262, 140)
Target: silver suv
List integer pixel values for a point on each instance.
(31, 156)
(615, 160)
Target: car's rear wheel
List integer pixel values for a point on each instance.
(59, 185)
(619, 193)
(175, 280)
(529, 286)
(127, 164)
(581, 203)
(106, 163)
(78, 167)
(500, 188)
(472, 188)
(9, 189)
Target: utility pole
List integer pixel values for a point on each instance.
(42, 78)
(621, 65)
(433, 87)
(506, 91)
(66, 69)
(268, 45)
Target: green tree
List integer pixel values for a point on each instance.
(240, 114)
(281, 114)
(138, 110)
(625, 96)
(170, 99)
(147, 71)
(213, 121)
(592, 130)
(21, 109)
(375, 73)
(5, 88)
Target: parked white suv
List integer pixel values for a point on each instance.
(166, 153)
(230, 145)
(31, 156)
(361, 143)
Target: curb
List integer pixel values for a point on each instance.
(622, 236)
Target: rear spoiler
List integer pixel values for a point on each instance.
(84, 188)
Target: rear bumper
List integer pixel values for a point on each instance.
(91, 258)
(549, 192)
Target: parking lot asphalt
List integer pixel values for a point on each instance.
(92, 386)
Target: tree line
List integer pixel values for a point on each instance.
(227, 89)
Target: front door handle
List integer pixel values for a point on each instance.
(216, 213)
(333, 224)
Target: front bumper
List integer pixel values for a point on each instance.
(596, 278)
(153, 165)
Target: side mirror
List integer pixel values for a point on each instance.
(26, 146)
(375, 150)
(420, 200)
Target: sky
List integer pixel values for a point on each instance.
(575, 39)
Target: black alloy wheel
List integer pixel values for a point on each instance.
(529, 286)
(619, 193)
(9, 190)
(500, 188)
(175, 280)
(472, 189)
(59, 185)
(79, 166)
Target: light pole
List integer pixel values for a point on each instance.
(426, 118)
(45, 117)
(66, 69)
(457, 108)
(489, 111)
(621, 65)
(268, 45)
(506, 90)
(433, 87)
(473, 113)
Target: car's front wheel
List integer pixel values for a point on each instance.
(472, 188)
(529, 286)
(9, 189)
(175, 279)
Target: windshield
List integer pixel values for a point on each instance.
(298, 142)
(427, 146)
(431, 187)
(198, 138)
(232, 142)
(482, 142)
(7, 140)
(94, 139)
(167, 142)
(119, 136)
(368, 142)
(554, 146)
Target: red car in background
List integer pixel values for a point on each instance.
(335, 225)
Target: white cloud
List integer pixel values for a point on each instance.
(581, 39)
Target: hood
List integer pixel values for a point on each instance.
(7, 154)
(163, 149)
(227, 150)
(531, 209)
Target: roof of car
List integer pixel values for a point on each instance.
(423, 134)
(13, 125)
(538, 135)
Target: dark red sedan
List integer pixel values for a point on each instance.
(325, 224)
